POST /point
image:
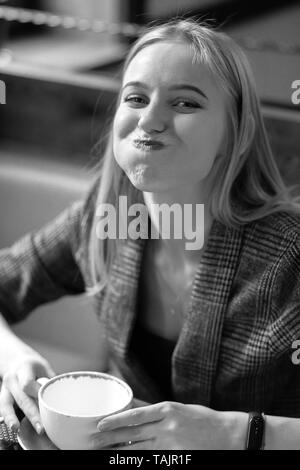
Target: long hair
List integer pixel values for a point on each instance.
(246, 183)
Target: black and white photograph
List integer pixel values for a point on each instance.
(150, 228)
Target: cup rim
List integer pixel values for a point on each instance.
(86, 373)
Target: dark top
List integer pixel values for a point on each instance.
(155, 355)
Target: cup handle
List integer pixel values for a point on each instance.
(42, 380)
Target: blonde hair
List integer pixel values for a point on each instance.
(247, 184)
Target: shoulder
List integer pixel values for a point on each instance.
(279, 231)
(271, 257)
(272, 248)
(284, 223)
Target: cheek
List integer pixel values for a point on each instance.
(202, 140)
(204, 136)
(124, 124)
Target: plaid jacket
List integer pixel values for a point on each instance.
(234, 350)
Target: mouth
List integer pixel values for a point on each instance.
(148, 144)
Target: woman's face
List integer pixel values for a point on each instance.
(170, 123)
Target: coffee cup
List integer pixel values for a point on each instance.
(72, 404)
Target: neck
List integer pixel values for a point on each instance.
(191, 212)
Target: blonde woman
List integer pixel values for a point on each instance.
(204, 336)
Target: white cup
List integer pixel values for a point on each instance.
(72, 404)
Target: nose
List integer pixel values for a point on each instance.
(153, 118)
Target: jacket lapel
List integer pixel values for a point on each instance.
(119, 311)
(195, 358)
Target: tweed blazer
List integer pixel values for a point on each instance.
(234, 351)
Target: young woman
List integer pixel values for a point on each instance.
(203, 335)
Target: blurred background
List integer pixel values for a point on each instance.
(60, 62)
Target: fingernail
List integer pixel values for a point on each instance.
(102, 426)
(13, 427)
(39, 428)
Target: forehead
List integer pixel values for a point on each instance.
(166, 62)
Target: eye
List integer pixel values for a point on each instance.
(135, 101)
(187, 105)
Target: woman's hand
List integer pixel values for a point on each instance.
(175, 426)
(20, 386)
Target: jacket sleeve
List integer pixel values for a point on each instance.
(41, 266)
(285, 297)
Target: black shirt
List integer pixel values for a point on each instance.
(155, 354)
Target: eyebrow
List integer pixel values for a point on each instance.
(179, 86)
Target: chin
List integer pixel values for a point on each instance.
(143, 185)
(142, 178)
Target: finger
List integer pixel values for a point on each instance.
(45, 370)
(7, 409)
(27, 380)
(129, 433)
(28, 406)
(142, 415)
(28, 375)
(141, 445)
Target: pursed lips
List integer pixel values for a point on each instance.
(148, 144)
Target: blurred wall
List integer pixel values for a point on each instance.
(33, 190)
(166, 7)
(106, 10)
